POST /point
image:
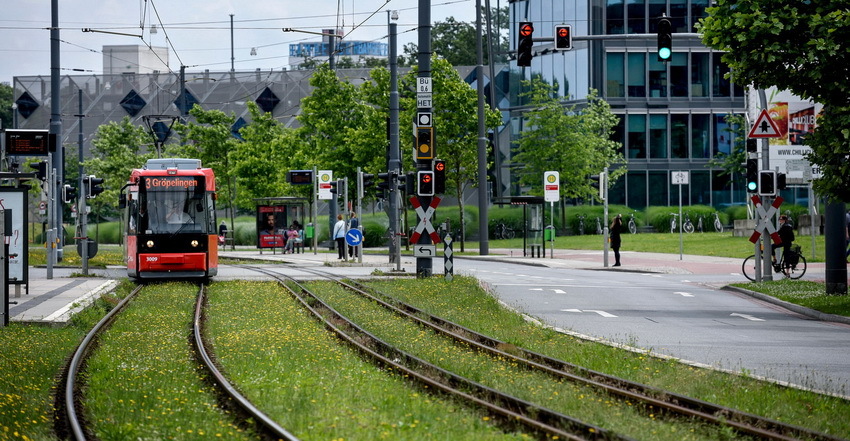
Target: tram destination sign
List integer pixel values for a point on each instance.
(29, 142)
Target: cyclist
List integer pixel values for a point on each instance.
(786, 234)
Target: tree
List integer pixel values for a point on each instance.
(573, 141)
(455, 41)
(338, 127)
(796, 46)
(455, 114)
(6, 100)
(117, 148)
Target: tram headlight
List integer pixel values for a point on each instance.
(194, 243)
(149, 244)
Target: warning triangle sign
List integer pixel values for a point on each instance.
(764, 127)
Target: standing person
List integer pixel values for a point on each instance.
(339, 236)
(353, 224)
(614, 232)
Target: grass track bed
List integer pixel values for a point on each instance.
(143, 381)
(463, 302)
(283, 360)
(586, 404)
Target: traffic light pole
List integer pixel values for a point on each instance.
(766, 245)
(424, 265)
(394, 160)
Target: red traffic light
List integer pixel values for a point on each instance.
(526, 29)
(440, 166)
(563, 37)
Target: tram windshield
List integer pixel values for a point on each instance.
(173, 204)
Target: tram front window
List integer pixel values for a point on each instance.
(171, 212)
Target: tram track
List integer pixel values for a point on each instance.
(650, 397)
(71, 421)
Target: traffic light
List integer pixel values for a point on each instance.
(424, 143)
(425, 183)
(599, 182)
(334, 187)
(40, 168)
(752, 175)
(767, 183)
(781, 181)
(665, 39)
(563, 37)
(364, 181)
(524, 44)
(93, 186)
(68, 194)
(407, 183)
(752, 145)
(439, 176)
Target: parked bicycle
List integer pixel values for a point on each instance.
(674, 222)
(581, 224)
(503, 231)
(598, 225)
(718, 226)
(632, 224)
(700, 227)
(687, 225)
(793, 265)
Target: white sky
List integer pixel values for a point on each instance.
(199, 31)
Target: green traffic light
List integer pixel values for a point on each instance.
(664, 53)
(752, 186)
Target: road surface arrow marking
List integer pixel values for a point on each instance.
(602, 313)
(746, 316)
(684, 294)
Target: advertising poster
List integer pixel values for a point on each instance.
(779, 114)
(15, 200)
(271, 226)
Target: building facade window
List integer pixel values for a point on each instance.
(700, 136)
(616, 84)
(637, 137)
(658, 136)
(637, 74)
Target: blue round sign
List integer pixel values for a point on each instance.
(354, 237)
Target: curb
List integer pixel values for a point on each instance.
(802, 310)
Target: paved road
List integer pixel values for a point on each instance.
(672, 315)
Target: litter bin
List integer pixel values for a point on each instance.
(92, 247)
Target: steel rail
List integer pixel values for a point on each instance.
(741, 421)
(73, 418)
(512, 409)
(265, 423)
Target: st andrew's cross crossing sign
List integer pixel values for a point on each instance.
(424, 220)
(765, 220)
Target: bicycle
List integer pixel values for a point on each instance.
(598, 225)
(581, 224)
(718, 226)
(632, 224)
(503, 231)
(700, 227)
(688, 226)
(792, 266)
(674, 222)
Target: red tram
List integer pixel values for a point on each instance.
(171, 224)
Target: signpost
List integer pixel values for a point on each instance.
(325, 177)
(551, 194)
(680, 178)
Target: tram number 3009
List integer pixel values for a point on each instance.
(152, 258)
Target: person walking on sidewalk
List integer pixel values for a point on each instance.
(614, 237)
(339, 236)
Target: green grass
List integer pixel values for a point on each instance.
(301, 376)
(143, 381)
(29, 364)
(803, 293)
(462, 301)
(585, 403)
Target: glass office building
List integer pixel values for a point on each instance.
(672, 114)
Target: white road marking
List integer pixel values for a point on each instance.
(602, 313)
(746, 316)
(684, 294)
